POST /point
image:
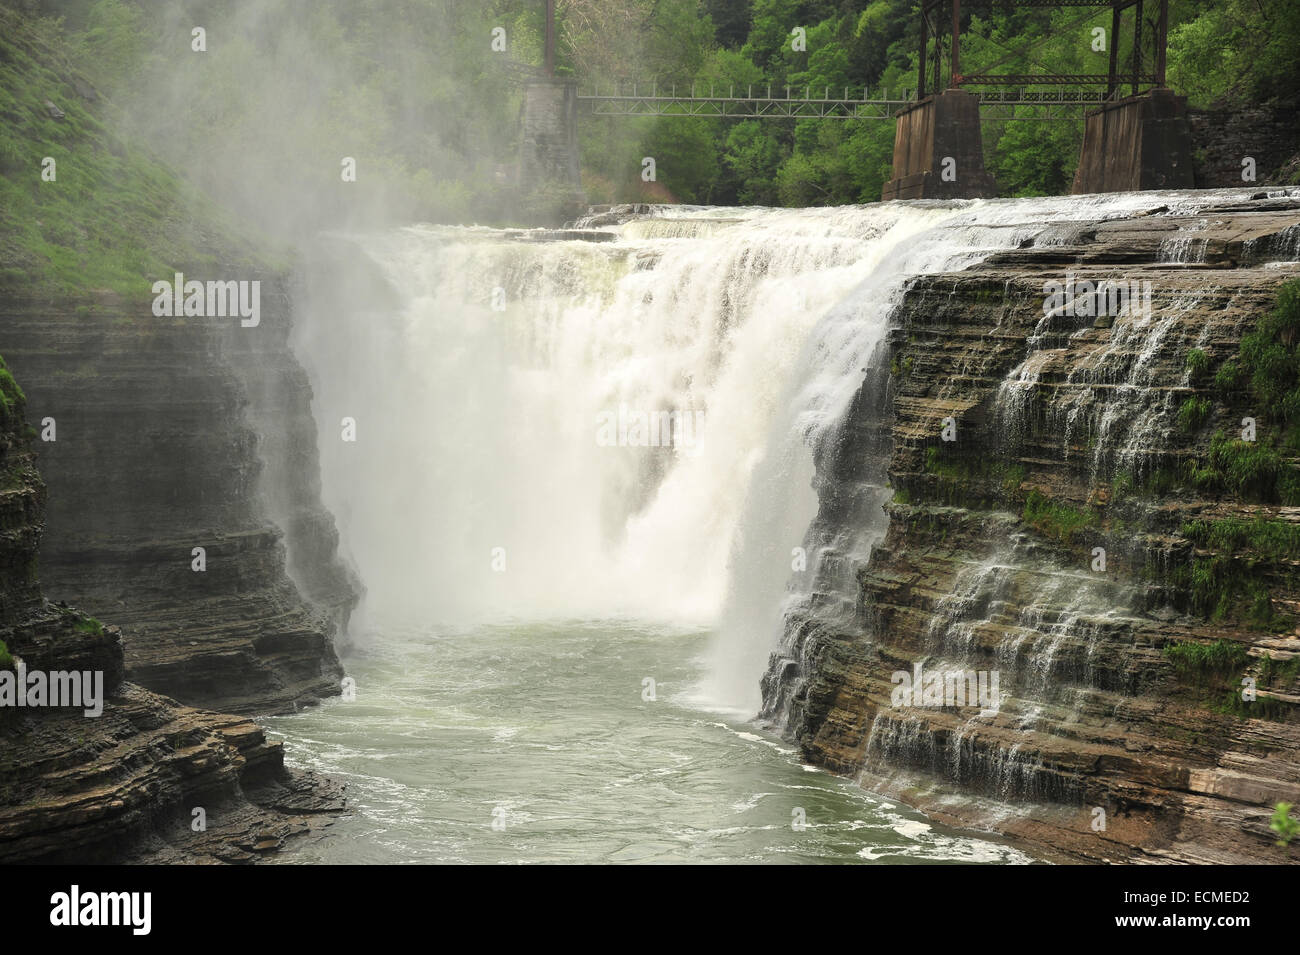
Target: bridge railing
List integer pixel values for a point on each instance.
(783, 102)
(730, 91)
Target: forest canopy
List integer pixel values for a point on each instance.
(416, 90)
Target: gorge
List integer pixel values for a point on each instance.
(904, 460)
(431, 459)
(421, 445)
(821, 520)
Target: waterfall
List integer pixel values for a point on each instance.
(552, 427)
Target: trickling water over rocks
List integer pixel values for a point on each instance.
(1071, 434)
(822, 350)
(825, 348)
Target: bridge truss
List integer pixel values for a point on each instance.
(768, 103)
(1012, 92)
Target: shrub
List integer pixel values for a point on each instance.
(1250, 470)
(1201, 660)
(1192, 414)
(1282, 823)
(1275, 540)
(89, 625)
(1228, 378)
(10, 393)
(1053, 519)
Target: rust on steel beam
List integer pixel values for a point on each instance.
(938, 50)
(925, 25)
(1162, 37)
(1112, 82)
(1042, 79)
(1068, 3)
(1112, 79)
(956, 43)
(1137, 48)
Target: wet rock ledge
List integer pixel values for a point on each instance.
(173, 434)
(1122, 734)
(123, 785)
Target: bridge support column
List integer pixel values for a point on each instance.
(549, 181)
(939, 151)
(1140, 142)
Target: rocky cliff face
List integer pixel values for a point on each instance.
(125, 783)
(1096, 534)
(175, 434)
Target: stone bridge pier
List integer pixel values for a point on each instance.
(1140, 142)
(549, 181)
(939, 150)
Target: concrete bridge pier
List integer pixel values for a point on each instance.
(1140, 142)
(939, 151)
(549, 180)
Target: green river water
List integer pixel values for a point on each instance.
(535, 744)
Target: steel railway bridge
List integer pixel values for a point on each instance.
(1133, 139)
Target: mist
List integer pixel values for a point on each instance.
(266, 115)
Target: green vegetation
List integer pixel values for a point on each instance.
(1268, 539)
(1227, 583)
(1262, 384)
(1012, 477)
(1054, 519)
(1270, 360)
(971, 481)
(1216, 668)
(1230, 703)
(11, 396)
(1222, 587)
(1271, 671)
(1236, 51)
(1248, 470)
(6, 658)
(1199, 661)
(1283, 824)
(1192, 414)
(1197, 363)
(1122, 486)
(113, 218)
(89, 625)
(413, 90)
(81, 621)
(1228, 378)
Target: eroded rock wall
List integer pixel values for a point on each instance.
(126, 783)
(173, 434)
(1120, 685)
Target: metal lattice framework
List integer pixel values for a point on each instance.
(931, 26)
(746, 103)
(1091, 89)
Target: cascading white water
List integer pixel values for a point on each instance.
(497, 471)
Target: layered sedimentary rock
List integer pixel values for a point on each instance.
(171, 434)
(1095, 533)
(125, 783)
